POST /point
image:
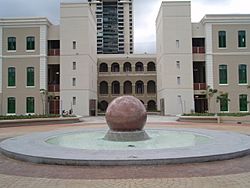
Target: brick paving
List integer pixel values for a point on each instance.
(233, 173)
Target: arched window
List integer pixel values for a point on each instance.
(151, 66)
(127, 87)
(115, 87)
(139, 67)
(115, 67)
(103, 87)
(127, 67)
(151, 88)
(103, 105)
(139, 87)
(103, 67)
(151, 106)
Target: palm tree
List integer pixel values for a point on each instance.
(222, 98)
(209, 94)
(43, 94)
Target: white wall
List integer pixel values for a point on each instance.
(174, 43)
(78, 24)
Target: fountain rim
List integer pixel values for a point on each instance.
(33, 148)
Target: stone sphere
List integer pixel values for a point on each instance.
(126, 113)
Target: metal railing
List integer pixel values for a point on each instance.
(200, 86)
(54, 52)
(53, 87)
(199, 50)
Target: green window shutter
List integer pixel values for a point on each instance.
(222, 74)
(11, 105)
(223, 105)
(30, 105)
(11, 76)
(30, 43)
(11, 43)
(30, 76)
(242, 74)
(243, 103)
(222, 39)
(241, 39)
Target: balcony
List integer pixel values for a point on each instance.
(54, 52)
(53, 87)
(198, 50)
(200, 86)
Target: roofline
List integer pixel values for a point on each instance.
(24, 21)
(226, 18)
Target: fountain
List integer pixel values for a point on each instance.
(126, 142)
(126, 117)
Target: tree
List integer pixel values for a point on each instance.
(210, 92)
(43, 94)
(223, 98)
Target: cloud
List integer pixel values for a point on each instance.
(145, 12)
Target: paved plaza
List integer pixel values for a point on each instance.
(233, 173)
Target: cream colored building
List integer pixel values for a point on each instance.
(47, 68)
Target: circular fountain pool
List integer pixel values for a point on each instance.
(159, 139)
(81, 146)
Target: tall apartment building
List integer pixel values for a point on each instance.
(114, 20)
(48, 68)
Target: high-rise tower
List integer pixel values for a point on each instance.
(114, 26)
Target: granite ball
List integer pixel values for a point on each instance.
(126, 113)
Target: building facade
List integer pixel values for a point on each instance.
(131, 74)
(114, 20)
(81, 65)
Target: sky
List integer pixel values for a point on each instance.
(145, 12)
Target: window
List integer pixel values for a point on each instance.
(73, 81)
(222, 74)
(103, 67)
(127, 87)
(151, 66)
(30, 76)
(178, 80)
(242, 74)
(30, 43)
(103, 87)
(139, 87)
(115, 87)
(139, 67)
(178, 64)
(224, 104)
(177, 44)
(243, 103)
(74, 65)
(127, 67)
(151, 87)
(115, 67)
(241, 39)
(11, 105)
(74, 45)
(74, 100)
(11, 43)
(30, 105)
(222, 39)
(11, 76)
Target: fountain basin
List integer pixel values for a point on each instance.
(40, 148)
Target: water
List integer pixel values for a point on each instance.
(160, 139)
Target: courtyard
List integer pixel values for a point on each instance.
(228, 173)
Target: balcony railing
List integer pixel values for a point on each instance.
(53, 52)
(53, 87)
(200, 86)
(198, 50)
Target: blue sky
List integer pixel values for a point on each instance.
(145, 14)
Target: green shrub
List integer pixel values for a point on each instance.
(219, 114)
(10, 117)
